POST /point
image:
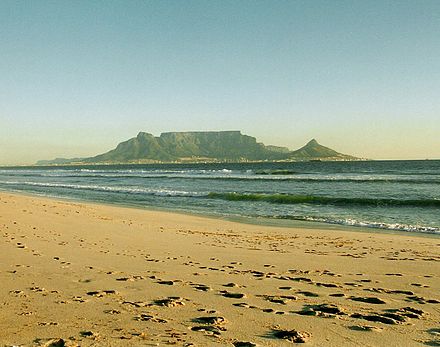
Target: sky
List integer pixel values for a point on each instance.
(78, 77)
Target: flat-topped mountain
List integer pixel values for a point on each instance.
(197, 146)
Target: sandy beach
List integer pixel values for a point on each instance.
(80, 274)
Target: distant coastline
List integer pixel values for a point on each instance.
(193, 161)
(180, 163)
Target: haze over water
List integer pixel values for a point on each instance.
(396, 195)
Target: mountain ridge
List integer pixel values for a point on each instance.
(202, 146)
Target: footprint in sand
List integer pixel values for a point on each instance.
(231, 295)
(365, 328)
(214, 320)
(337, 295)
(291, 335)
(17, 292)
(89, 334)
(308, 294)
(231, 285)
(201, 287)
(172, 301)
(56, 343)
(394, 274)
(207, 311)
(392, 316)
(368, 300)
(322, 310)
(211, 325)
(243, 344)
(434, 331)
(278, 299)
(209, 329)
(86, 280)
(101, 293)
(47, 323)
(79, 299)
(420, 285)
(131, 278)
(149, 318)
(167, 283)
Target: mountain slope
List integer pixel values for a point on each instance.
(143, 146)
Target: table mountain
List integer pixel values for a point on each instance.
(205, 146)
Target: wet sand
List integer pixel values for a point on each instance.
(79, 274)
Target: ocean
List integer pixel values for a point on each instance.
(388, 195)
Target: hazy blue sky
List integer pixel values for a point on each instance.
(362, 77)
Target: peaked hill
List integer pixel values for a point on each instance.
(203, 146)
(314, 150)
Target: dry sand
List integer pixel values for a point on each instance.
(95, 275)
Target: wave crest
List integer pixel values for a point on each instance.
(323, 200)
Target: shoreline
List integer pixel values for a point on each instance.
(259, 221)
(104, 275)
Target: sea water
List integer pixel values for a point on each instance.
(396, 195)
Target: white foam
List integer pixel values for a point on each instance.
(119, 189)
